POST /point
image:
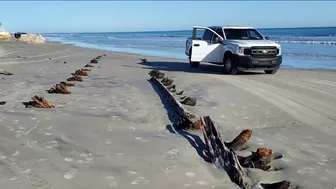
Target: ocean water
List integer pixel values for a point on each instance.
(304, 48)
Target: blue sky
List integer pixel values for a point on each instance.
(97, 16)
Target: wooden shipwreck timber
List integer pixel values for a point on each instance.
(61, 88)
(75, 78)
(81, 72)
(38, 102)
(217, 150)
(4, 72)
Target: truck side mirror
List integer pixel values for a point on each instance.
(267, 38)
(218, 40)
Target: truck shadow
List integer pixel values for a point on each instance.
(204, 68)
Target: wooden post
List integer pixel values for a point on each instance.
(186, 119)
(238, 143)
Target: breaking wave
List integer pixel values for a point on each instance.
(319, 56)
(308, 42)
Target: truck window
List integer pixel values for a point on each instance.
(207, 36)
(243, 34)
(254, 35)
(199, 34)
(219, 32)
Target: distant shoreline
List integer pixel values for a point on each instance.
(149, 31)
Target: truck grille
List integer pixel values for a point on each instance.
(264, 52)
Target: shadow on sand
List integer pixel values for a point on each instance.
(204, 68)
(194, 140)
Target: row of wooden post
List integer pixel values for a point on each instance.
(62, 87)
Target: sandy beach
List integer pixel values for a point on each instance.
(113, 131)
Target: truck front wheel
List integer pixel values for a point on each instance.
(229, 66)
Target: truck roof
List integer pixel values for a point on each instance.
(228, 27)
(237, 27)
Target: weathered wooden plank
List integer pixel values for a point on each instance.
(226, 157)
(179, 107)
(186, 119)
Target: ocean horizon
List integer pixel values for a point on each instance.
(179, 30)
(303, 47)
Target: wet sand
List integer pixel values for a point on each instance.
(113, 130)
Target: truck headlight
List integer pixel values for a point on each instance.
(240, 50)
(279, 51)
(243, 51)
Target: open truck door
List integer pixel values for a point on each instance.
(207, 49)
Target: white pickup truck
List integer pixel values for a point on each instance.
(236, 48)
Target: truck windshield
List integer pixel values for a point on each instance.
(243, 34)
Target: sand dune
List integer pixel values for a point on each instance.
(113, 130)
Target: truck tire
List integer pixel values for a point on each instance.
(192, 64)
(271, 71)
(230, 66)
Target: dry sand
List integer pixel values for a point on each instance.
(111, 131)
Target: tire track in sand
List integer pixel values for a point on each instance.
(303, 94)
(287, 102)
(41, 60)
(320, 85)
(12, 52)
(37, 55)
